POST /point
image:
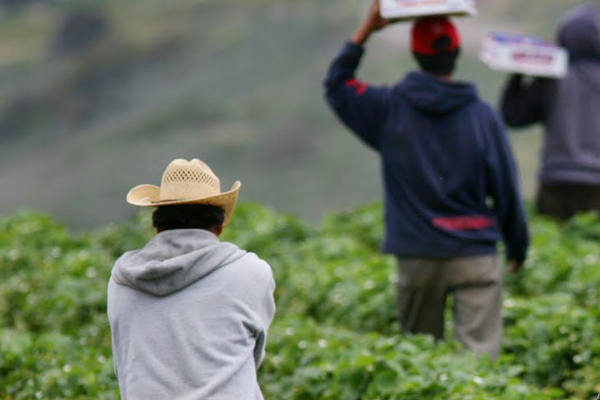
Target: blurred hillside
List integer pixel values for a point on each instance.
(98, 96)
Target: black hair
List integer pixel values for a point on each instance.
(443, 62)
(188, 216)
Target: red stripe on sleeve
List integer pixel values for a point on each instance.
(360, 87)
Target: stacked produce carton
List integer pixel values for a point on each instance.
(524, 54)
(410, 9)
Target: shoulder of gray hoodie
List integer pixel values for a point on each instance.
(176, 259)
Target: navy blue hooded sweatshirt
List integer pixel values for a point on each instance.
(450, 182)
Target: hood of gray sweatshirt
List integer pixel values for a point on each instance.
(189, 316)
(579, 32)
(174, 260)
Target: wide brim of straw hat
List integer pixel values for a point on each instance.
(148, 196)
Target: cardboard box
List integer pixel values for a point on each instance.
(524, 54)
(411, 9)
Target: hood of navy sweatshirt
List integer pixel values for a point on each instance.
(579, 32)
(435, 96)
(173, 260)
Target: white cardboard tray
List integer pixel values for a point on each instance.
(524, 54)
(411, 9)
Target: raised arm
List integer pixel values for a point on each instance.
(524, 104)
(372, 23)
(359, 106)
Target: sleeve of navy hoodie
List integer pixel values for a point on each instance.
(524, 104)
(359, 106)
(504, 189)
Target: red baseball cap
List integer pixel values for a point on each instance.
(426, 33)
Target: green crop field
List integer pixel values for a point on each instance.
(334, 336)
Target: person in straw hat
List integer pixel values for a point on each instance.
(451, 188)
(189, 313)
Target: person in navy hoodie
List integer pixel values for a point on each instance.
(451, 188)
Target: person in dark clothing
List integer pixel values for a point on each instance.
(451, 190)
(568, 109)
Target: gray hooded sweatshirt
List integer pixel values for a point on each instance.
(569, 107)
(189, 316)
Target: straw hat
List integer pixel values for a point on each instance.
(186, 182)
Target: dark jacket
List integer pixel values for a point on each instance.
(568, 107)
(444, 154)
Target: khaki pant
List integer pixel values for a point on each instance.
(475, 283)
